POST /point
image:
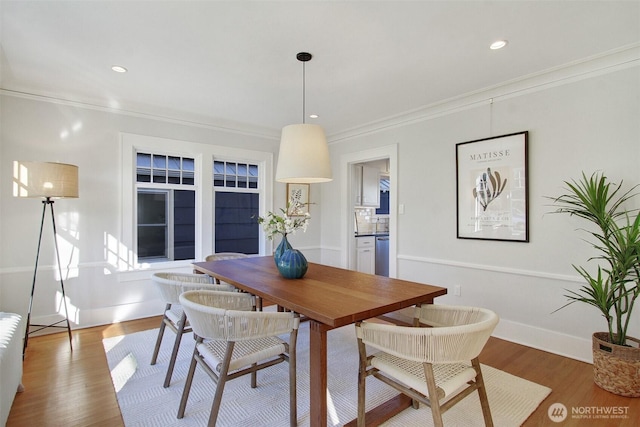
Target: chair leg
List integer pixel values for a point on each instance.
(176, 346)
(293, 385)
(433, 395)
(222, 379)
(159, 339)
(361, 398)
(254, 377)
(189, 380)
(482, 393)
(362, 379)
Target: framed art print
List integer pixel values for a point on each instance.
(492, 188)
(297, 199)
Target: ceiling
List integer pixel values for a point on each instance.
(233, 63)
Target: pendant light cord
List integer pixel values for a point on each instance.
(304, 91)
(304, 57)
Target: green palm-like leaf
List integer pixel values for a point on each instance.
(616, 238)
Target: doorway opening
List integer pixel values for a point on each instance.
(381, 219)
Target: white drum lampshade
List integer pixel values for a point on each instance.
(45, 180)
(304, 155)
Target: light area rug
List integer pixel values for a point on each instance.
(144, 402)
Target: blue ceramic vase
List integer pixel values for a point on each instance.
(292, 264)
(283, 246)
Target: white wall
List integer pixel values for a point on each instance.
(95, 256)
(578, 120)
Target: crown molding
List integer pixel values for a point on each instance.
(624, 57)
(167, 117)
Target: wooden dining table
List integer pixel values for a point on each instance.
(329, 297)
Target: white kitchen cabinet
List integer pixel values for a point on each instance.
(366, 254)
(357, 185)
(370, 187)
(367, 186)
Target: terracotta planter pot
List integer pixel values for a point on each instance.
(616, 368)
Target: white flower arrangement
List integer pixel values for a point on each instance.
(284, 224)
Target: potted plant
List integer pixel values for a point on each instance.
(615, 286)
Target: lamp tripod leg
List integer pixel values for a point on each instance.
(64, 297)
(33, 284)
(46, 202)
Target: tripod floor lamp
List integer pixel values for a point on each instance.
(47, 181)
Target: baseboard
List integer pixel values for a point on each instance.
(546, 340)
(100, 316)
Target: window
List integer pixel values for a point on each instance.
(235, 175)
(236, 207)
(170, 184)
(166, 207)
(384, 196)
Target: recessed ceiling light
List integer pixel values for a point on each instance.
(119, 69)
(498, 44)
(313, 116)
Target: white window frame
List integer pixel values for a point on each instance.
(203, 155)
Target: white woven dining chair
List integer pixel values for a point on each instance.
(225, 255)
(170, 286)
(220, 256)
(231, 343)
(435, 362)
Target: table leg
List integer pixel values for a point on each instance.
(318, 373)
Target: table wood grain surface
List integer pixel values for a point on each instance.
(330, 295)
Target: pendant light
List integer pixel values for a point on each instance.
(304, 153)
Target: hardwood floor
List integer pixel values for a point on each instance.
(64, 388)
(571, 383)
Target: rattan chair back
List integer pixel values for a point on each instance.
(232, 342)
(434, 362)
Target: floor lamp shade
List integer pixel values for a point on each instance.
(45, 179)
(304, 155)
